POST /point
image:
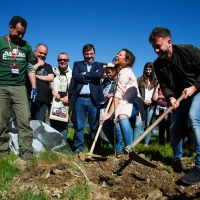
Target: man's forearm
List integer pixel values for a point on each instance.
(32, 79)
(49, 78)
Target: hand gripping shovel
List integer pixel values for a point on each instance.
(132, 154)
(90, 156)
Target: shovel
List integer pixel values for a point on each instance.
(90, 156)
(132, 154)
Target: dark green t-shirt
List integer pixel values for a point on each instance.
(24, 56)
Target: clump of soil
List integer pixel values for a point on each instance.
(136, 181)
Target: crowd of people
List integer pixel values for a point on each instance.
(28, 85)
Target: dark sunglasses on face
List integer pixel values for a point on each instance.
(65, 60)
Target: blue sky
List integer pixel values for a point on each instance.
(110, 25)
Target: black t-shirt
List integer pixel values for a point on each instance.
(43, 91)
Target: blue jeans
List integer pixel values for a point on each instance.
(189, 107)
(149, 117)
(38, 110)
(126, 128)
(137, 127)
(82, 107)
(108, 129)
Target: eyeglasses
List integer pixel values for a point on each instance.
(65, 60)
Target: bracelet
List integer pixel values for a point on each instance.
(36, 76)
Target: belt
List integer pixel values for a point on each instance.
(84, 95)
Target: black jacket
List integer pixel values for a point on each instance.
(183, 70)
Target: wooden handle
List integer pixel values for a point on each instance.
(138, 140)
(100, 127)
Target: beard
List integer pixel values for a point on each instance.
(14, 38)
(163, 54)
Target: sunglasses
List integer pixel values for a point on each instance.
(65, 60)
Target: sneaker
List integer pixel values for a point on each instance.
(177, 166)
(76, 152)
(118, 154)
(193, 177)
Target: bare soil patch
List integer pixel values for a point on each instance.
(135, 182)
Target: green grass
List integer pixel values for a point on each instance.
(49, 157)
(155, 151)
(80, 192)
(7, 170)
(168, 169)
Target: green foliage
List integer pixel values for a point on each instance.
(168, 169)
(189, 154)
(155, 151)
(80, 191)
(49, 157)
(7, 171)
(12, 157)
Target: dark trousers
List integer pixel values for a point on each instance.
(164, 126)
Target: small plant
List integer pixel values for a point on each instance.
(80, 191)
(168, 169)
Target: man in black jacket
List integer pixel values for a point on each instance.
(178, 71)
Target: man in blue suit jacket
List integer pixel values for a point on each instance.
(87, 95)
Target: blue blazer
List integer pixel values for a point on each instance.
(93, 78)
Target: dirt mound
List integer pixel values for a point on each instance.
(135, 182)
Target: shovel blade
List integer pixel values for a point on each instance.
(133, 156)
(93, 157)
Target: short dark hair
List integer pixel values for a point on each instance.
(41, 44)
(17, 19)
(62, 53)
(88, 47)
(159, 32)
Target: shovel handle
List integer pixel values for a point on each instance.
(100, 127)
(138, 140)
